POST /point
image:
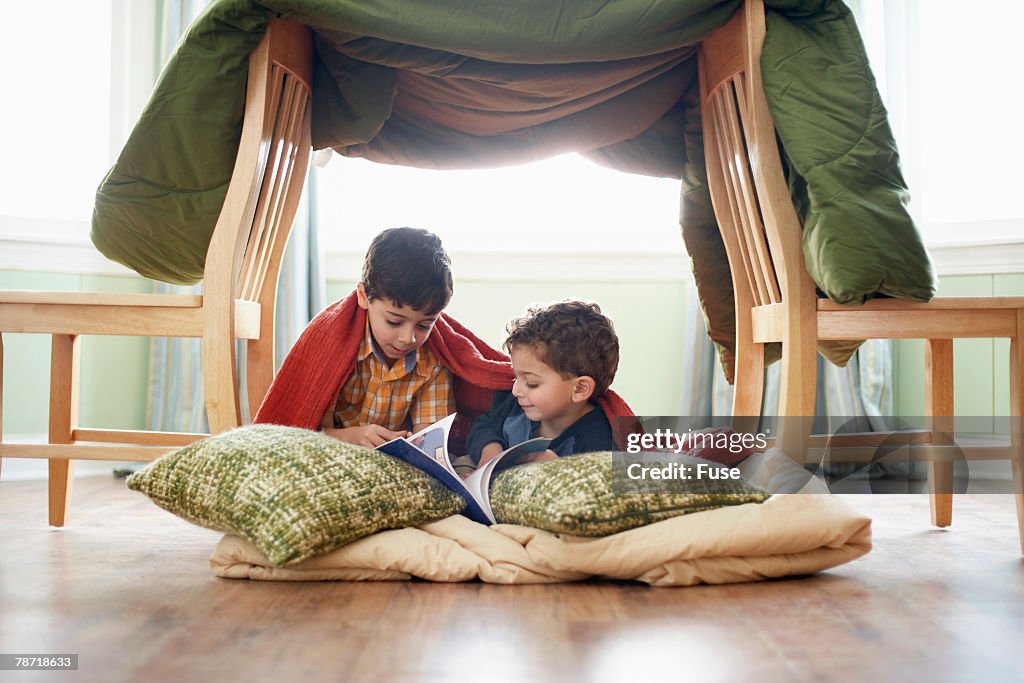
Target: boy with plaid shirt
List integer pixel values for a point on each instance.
(397, 384)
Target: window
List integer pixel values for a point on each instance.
(79, 74)
(56, 113)
(948, 76)
(969, 104)
(563, 204)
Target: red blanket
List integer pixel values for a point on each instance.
(325, 354)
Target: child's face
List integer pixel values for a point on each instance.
(396, 329)
(543, 393)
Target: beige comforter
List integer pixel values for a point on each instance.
(789, 534)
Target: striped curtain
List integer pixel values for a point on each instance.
(176, 401)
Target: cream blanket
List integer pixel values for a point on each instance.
(789, 534)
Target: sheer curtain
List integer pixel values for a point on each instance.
(862, 390)
(176, 401)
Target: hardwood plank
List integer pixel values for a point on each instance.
(128, 588)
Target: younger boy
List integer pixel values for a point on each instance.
(397, 383)
(564, 357)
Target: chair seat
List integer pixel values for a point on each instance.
(101, 299)
(938, 303)
(941, 318)
(168, 315)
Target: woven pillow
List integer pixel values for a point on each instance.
(293, 493)
(574, 495)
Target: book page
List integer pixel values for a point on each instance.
(433, 441)
(427, 450)
(479, 483)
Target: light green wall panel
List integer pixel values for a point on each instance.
(648, 319)
(909, 377)
(972, 360)
(27, 360)
(60, 282)
(1004, 285)
(336, 289)
(26, 383)
(114, 370)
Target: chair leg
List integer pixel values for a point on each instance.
(938, 405)
(64, 356)
(797, 390)
(220, 383)
(748, 390)
(1016, 428)
(259, 369)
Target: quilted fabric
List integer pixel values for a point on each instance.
(576, 495)
(465, 85)
(293, 493)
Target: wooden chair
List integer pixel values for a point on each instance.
(239, 281)
(775, 297)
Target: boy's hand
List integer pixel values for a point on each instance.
(490, 452)
(365, 435)
(541, 456)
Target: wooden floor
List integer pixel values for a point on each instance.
(127, 587)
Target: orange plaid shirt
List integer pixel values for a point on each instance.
(416, 386)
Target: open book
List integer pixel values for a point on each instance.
(427, 450)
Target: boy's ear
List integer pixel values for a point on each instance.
(361, 298)
(582, 388)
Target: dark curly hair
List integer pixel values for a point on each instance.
(571, 336)
(410, 267)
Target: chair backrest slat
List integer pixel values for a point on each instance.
(724, 104)
(296, 117)
(764, 242)
(732, 224)
(258, 195)
(245, 252)
(754, 232)
(758, 234)
(267, 218)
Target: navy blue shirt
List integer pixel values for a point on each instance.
(507, 424)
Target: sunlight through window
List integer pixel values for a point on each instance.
(970, 110)
(563, 204)
(57, 107)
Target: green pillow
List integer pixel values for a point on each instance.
(574, 495)
(293, 493)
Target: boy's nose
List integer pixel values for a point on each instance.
(515, 388)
